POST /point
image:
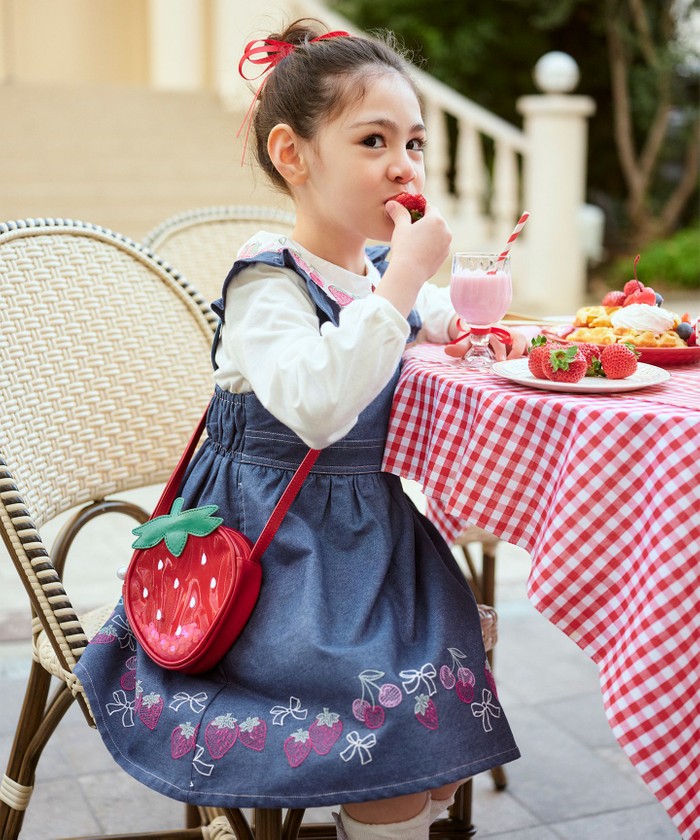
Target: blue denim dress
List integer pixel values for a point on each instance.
(361, 673)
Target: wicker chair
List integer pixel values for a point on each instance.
(104, 371)
(203, 243)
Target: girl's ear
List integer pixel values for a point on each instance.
(284, 148)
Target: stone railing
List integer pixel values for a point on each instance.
(540, 168)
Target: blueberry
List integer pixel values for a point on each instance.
(659, 299)
(684, 330)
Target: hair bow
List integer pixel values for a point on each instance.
(268, 52)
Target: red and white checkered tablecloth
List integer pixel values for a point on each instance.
(604, 492)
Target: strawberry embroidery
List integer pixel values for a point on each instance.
(342, 297)
(150, 707)
(252, 733)
(105, 636)
(297, 747)
(182, 739)
(325, 731)
(426, 711)
(220, 735)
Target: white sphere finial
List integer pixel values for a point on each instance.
(556, 72)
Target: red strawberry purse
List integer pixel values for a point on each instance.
(192, 583)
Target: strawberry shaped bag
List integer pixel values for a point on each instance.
(192, 583)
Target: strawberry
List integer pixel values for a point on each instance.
(182, 739)
(591, 353)
(415, 203)
(149, 708)
(181, 573)
(220, 735)
(614, 298)
(618, 361)
(253, 733)
(297, 747)
(426, 712)
(325, 731)
(539, 348)
(565, 364)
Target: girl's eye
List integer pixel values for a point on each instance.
(416, 145)
(374, 141)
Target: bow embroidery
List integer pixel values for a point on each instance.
(485, 709)
(412, 679)
(194, 701)
(121, 704)
(359, 745)
(279, 713)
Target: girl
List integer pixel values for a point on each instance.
(361, 677)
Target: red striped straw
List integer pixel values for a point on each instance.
(509, 244)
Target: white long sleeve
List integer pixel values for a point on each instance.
(315, 381)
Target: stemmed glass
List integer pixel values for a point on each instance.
(481, 292)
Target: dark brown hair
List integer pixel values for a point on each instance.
(317, 81)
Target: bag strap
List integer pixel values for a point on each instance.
(167, 498)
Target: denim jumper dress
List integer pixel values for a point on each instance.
(361, 673)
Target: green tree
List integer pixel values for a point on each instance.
(643, 143)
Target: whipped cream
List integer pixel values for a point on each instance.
(643, 317)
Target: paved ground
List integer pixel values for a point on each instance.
(572, 783)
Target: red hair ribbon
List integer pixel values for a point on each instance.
(268, 52)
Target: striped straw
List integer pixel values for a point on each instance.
(509, 244)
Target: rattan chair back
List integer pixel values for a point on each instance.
(203, 243)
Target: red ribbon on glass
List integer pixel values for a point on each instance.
(501, 334)
(268, 52)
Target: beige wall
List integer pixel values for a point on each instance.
(74, 41)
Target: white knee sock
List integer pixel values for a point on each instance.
(416, 828)
(437, 806)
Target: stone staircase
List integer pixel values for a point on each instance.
(121, 157)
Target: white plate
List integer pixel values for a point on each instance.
(517, 371)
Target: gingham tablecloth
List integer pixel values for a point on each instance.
(604, 492)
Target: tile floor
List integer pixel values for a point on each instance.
(572, 783)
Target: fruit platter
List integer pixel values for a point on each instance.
(635, 315)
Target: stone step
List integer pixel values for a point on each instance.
(122, 157)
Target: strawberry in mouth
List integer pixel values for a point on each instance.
(415, 203)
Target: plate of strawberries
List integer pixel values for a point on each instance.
(581, 368)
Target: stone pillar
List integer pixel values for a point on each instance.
(176, 44)
(554, 188)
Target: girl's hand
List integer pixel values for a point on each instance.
(502, 351)
(418, 249)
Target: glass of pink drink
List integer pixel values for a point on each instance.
(481, 292)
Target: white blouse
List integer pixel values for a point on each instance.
(316, 381)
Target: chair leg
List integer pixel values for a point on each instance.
(458, 823)
(36, 724)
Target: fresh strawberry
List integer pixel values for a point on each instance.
(220, 735)
(618, 361)
(182, 739)
(565, 364)
(252, 733)
(297, 747)
(538, 349)
(415, 203)
(426, 712)
(149, 708)
(614, 299)
(591, 352)
(325, 731)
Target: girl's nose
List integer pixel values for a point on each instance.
(402, 169)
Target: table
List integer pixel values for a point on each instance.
(604, 493)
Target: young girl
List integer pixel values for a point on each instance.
(361, 677)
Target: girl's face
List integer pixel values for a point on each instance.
(368, 154)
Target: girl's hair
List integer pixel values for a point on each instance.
(317, 81)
